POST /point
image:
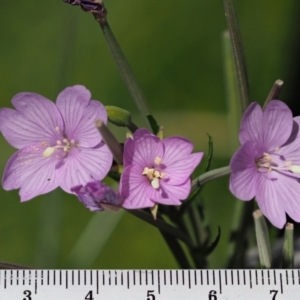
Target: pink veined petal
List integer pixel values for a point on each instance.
(290, 151)
(133, 188)
(244, 172)
(86, 133)
(129, 148)
(251, 125)
(33, 121)
(288, 191)
(179, 171)
(270, 201)
(84, 165)
(171, 195)
(176, 148)
(30, 171)
(146, 149)
(72, 103)
(277, 124)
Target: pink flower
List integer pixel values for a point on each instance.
(59, 144)
(156, 171)
(267, 164)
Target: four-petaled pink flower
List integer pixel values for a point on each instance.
(267, 164)
(156, 171)
(59, 144)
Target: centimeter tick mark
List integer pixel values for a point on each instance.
(220, 282)
(146, 277)
(244, 277)
(60, 282)
(189, 273)
(42, 277)
(226, 277)
(84, 277)
(116, 278)
(275, 277)
(238, 277)
(281, 287)
(287, 277)
(201, 277)
(293, 277)
(152, 276)
(35, 282)
(195, 277)
(158, 281)
(103, 278)
(268, 277)
(250, 276)
(5, 279)
(214, 281)
(176, 277)
(29, 277)
(48, 277)
(72, 277)
(171, 277)
(182, 272)
(140, 272)
(207, 277)
(67, 279)
(262, 277)
(165, 280)
(78, 274)
(18, 277)
(128, 279)
(109, 277)
(97, 281)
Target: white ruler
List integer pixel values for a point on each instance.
(149, 284)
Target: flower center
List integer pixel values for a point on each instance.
(153, 174)
(62, 147)
(269, 162)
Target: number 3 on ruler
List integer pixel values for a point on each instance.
(27, 293)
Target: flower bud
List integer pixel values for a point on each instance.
(118, 116)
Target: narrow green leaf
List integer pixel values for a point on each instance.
(153, 124)
(209, 153)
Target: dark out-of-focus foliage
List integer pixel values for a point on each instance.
(175, 50)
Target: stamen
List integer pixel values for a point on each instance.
(295, 169)
(158, 160)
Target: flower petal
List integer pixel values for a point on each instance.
(271, 199)
(133, 187)
(130, 145)
(33, 121)
(30, 171)
(72, 103)
(143, 150)
(277, 124)
(251, 125)
(172, 194)
(290, 150)
(244, 172)
(175, 149)
(82, 166)
(86, 132)
(179, 171)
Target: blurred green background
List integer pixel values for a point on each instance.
(175, 50)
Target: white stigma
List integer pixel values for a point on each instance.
(48, 152)
(155, 183)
